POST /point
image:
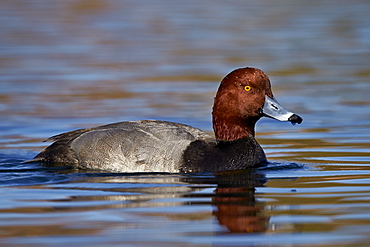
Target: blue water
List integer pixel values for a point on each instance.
(66, 65)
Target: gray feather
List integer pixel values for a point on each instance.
(134, 146)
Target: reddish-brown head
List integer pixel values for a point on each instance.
(239, 103)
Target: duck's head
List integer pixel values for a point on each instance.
(243, 97)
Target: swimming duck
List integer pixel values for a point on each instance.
(243, 97)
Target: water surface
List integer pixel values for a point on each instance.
(74, 64)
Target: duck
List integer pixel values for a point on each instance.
(243, 97)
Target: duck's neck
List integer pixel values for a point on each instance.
(230, 129)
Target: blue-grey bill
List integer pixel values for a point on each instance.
(273, 109)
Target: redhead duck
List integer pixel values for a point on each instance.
(243, 97)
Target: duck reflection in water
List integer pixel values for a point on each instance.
(235, 205)
(235, 201)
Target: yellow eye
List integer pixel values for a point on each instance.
(247, 88)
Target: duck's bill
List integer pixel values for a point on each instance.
(273, 109)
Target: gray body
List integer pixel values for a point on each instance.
(133, 146)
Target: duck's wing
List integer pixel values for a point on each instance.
(135, 146)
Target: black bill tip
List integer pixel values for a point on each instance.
(295, 119)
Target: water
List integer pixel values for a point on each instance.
(74, 64)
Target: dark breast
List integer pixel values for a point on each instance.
(202, 156)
